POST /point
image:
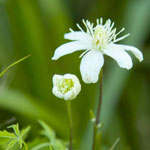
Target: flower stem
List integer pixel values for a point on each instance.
(98, 112)
(70, 123)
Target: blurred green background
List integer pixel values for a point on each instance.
(37, 27)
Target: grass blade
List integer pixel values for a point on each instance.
(13, 64)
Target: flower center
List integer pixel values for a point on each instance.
(65, 85)
(100, 37)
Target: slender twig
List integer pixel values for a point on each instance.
(98, 111)
(70, 123)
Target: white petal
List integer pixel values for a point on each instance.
(77, 86)
(69, 76)
(134, 50)
(121, 57)
(70, 95)
(78, 36)
(91, 65)
(76, 89)
(69, 48)
(57, 93)
(74, 35)
(56, 79)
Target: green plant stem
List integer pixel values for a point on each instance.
(13, 64)
(114, 145)
(70, 123)
(98, 112)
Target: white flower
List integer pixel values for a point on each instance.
(66, 86)
(97, 41)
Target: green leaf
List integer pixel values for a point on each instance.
(11, 144)
(6, 137)
(60, 145)
(15, 128)
(20, 141)
(4, 141)
(53, 144)
(24, 132)
(48, 132)
(6, 134)
(31, 107)
(51, 147)
(40, 146)
(13, 64)
(25, 145)
(16, 138)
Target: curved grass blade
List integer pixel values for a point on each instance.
(13, 64)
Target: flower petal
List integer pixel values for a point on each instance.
(90, 66)
(122, 57)
(68, 48)
(70, 95)
(69, 76)
(56, 79)
(78, 36)
(138, 54)
(57, 93)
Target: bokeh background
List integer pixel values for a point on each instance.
(37, 27)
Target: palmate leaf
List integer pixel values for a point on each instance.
(14, 140)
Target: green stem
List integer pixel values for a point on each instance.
(13, 64)
(114, 145)
(70, 123)
(98, 112)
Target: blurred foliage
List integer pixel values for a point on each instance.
(13, 141)
(16, 140)
(53, 143)
(36, 27)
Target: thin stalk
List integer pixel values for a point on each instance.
(70, 123)
(13, 64)
(114, 145)
(97, 121)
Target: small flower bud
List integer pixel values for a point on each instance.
(66, 86)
